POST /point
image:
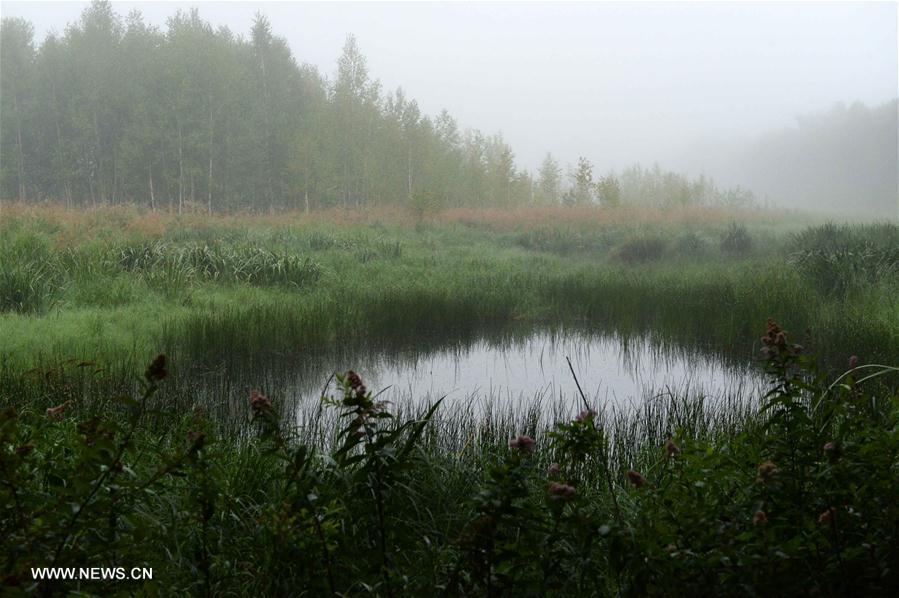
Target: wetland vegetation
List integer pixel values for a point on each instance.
(270, 332)
(220, 490)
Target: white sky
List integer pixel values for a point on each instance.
(618, 83)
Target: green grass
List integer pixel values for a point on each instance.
(239, 288)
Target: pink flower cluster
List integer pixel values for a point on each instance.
(524, 444)
(259, 403)
(561, 492)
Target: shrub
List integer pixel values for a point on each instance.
(30, 276)
(691, 244)
(641, 249)
(163, 264)
(27, 286)
(736, 240)
(838, 259)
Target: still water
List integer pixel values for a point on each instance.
(514, 371)
(609, 369)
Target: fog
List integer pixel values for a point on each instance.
(694, 87)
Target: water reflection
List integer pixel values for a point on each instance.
(612, 370)
(516, 371)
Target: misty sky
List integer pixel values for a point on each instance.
(618, 83)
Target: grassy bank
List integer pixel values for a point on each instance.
(119, 285)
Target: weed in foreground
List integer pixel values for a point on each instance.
(806, 501)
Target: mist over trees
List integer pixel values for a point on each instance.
(116, 111)
(844, 159)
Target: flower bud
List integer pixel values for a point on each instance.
(672, 449)
(766, 472)
(523, 443)
(259, 402)
(828, 516)
(636, 478)
(562, 492)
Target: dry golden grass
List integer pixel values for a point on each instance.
(73, 226)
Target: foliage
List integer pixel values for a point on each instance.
(115, 111)
(736, 240)
(654, 186)
(641, 249)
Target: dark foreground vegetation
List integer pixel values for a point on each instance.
(800, 499)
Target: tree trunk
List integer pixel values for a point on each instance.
(20, 151)
(180, 170)
(267, 123)
(22, 188)
(60, 158)
(59, 153)
(90, 185)
(98, 171)
(211, 136)
(115, 175)
(306, 181)
(409, 175)
(152, 195)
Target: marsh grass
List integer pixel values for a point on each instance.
(235, 286)
(220, 495)
(840, 259)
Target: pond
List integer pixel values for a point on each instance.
(513, 372)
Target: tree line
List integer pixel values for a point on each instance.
(117, 111)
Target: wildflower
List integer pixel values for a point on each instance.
(583, 415)
(56, 412)
(636, 478)
(553, 470)
(775, 341)
(672, 449)
(828, 516)
(760, 518)
(353, 378)
(781, 339)
(523, 443)
(767, 470)
(156, 370)
(853, 362)
(259, 402)
(197, 439)
(356, 384)
(25, 449)
(774, 336)
(561, 492)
